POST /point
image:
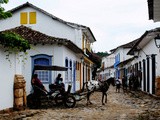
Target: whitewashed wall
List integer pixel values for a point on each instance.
(71, 56)
(123, 53)
(27, 70)
(108, 60)
(7, 72)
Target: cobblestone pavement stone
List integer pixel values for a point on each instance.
(120, 106)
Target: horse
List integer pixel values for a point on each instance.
(102, 86)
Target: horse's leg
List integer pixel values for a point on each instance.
(105, 97)
(88, 98)
(102, 98)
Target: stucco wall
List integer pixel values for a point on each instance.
(71, 57)
(27, 70)
(7, 72)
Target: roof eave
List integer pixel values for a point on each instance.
(131, 51)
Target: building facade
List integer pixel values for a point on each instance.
(54, 42)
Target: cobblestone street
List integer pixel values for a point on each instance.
(120, 106)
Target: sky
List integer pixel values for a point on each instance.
(112, 22)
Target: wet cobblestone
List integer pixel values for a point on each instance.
(120, 106)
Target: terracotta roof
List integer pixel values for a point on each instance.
(35, 37)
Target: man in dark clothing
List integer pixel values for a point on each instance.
(118, 85)
(37, 82)
(58, 80)
(124, 83)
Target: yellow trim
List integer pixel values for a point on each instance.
(23, 18)
(86, 60)
(32, 18)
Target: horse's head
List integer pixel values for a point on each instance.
(111, 80)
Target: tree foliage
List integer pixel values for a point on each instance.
(102, 54)
(3, 14)
(4, 1)
(14, 41)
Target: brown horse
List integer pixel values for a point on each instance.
(100, 87)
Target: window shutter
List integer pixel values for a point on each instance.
(32, 16)
(23, 18)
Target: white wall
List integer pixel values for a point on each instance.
(26, 71)
(71, 56)
(7, 72)
(123, 53)
(108, 60)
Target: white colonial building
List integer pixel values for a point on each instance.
(107, 67)
(121, 59)
(54, 42)
(146, 64)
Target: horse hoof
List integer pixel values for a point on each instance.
(103, 104)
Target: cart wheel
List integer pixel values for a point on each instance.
(29, 101)
(59, 99)
(69, 101)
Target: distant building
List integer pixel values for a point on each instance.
(107, 67)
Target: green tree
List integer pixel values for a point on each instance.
(102, 54)
(3, 14)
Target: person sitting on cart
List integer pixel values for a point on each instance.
(38, 83)
(59, 81)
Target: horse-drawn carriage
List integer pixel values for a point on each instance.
(57, 95)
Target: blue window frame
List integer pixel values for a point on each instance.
(70, 70)
(66, 72)
(42, 59)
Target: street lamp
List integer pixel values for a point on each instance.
(157, 41)
(82, 61)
